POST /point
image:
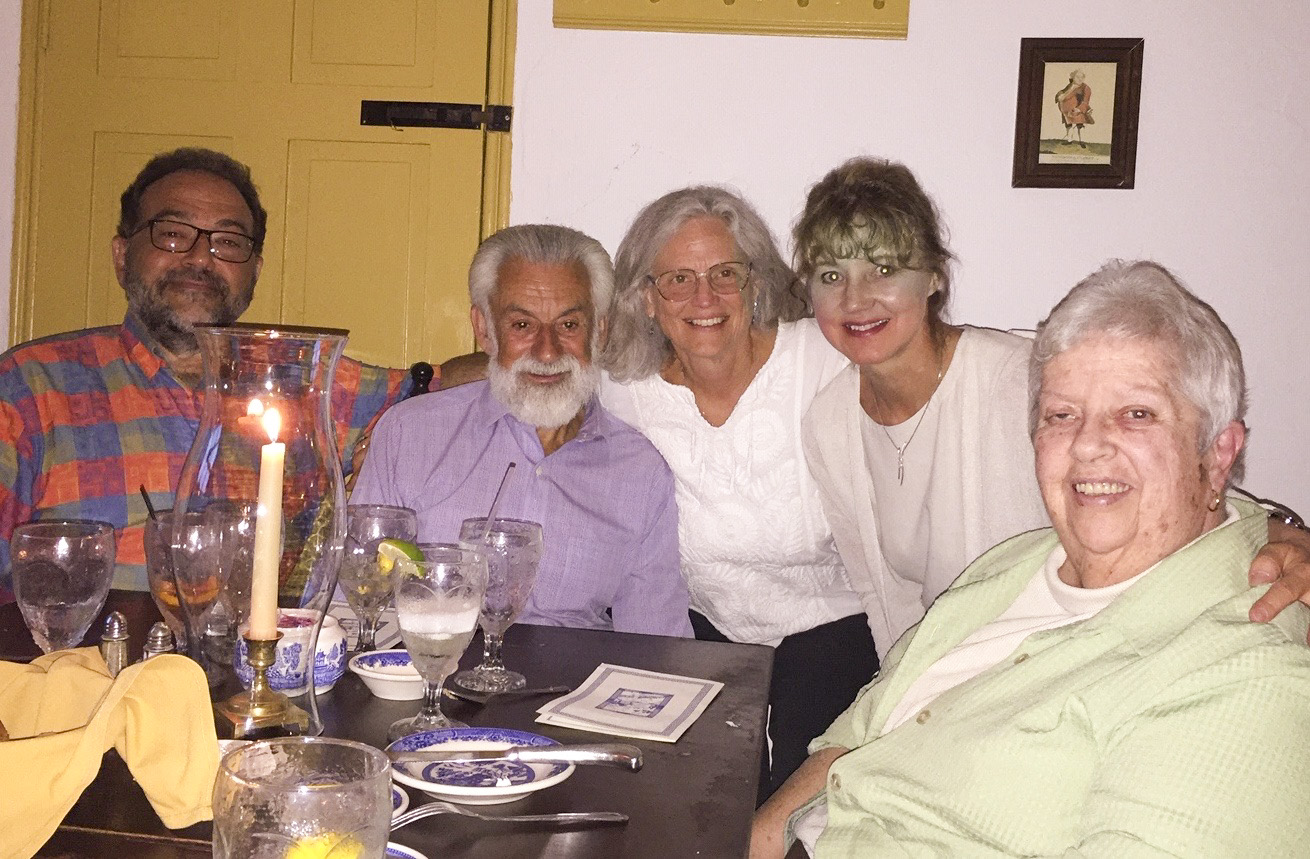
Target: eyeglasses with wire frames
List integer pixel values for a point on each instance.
(179, 237)
(679, 284)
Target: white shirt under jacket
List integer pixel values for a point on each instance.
(757, 552)
(969, 475)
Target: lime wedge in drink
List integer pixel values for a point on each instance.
(392, 552)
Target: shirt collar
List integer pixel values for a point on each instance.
(143, 348)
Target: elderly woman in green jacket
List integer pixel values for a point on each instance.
(1095, 688)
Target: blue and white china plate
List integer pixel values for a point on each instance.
(399, 801)
(400, 851)
(486, 783)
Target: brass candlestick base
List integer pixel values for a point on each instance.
(260, 711)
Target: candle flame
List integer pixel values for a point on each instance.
(256, 408)
(272, 421)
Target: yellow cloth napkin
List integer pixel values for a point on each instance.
(63, 712)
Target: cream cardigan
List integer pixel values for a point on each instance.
(985, 395)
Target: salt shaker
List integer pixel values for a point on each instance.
(113, 643)
(159, 640)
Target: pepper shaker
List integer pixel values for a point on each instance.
(159, 640)
(113, 643)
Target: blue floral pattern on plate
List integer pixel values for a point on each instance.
(383, 659)
(486, 783)
(400, 851)
(489, 774)
(399, 800)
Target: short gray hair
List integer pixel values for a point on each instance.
(541, 243)
(637, 348)
(1142, 300)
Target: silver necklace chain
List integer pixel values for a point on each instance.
(900, 448)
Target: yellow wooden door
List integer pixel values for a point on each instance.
(370, 228)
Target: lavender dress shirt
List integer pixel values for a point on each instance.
(604, 501)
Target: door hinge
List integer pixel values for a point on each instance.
(435, 114)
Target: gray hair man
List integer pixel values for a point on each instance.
(602, 493)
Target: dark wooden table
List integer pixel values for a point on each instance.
(693, 798)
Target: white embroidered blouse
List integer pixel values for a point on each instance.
(757, 552)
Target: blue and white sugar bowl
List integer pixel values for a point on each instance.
(289, 673)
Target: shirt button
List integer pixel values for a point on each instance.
(836, 782)
(538, 470)
(923, 716)
(1022, 657)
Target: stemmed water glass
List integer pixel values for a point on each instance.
(513, 548)
(61, 572)
(437, 605)
(366, 585)
(185, 568)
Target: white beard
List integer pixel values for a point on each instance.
(543, 406)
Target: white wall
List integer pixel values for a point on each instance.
(606, 121)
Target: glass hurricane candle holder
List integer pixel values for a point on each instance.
(266, 453)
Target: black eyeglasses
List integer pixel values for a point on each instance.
(679, 284)
(178, 237)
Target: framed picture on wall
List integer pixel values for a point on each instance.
(1076, 121)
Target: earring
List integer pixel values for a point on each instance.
(1214, 504)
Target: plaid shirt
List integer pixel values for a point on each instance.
(88, 417)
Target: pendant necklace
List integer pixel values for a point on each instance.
(900, 448)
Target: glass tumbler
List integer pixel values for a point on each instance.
(302, 796)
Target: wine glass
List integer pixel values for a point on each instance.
(513, 550)
(186, 575)
(302, 796)
(61, 571)
(437, 605)
(366, 586)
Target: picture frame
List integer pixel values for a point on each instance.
(1076, 120)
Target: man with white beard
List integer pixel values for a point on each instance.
(602, 493)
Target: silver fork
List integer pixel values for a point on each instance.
(568, 817)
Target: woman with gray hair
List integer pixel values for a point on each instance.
(710, 358)
(1041, 705)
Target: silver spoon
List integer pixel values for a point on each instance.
(562, 818)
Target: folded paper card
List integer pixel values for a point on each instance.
(63, 712)
(631, 702)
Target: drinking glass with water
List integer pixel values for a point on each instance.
(61, 571)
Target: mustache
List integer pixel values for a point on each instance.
(528, 364)
(176, 277)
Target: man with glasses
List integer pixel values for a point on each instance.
(89, 417)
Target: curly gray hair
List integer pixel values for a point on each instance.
(1142, 300)
(637, 348)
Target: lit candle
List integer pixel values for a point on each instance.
(268, 530)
